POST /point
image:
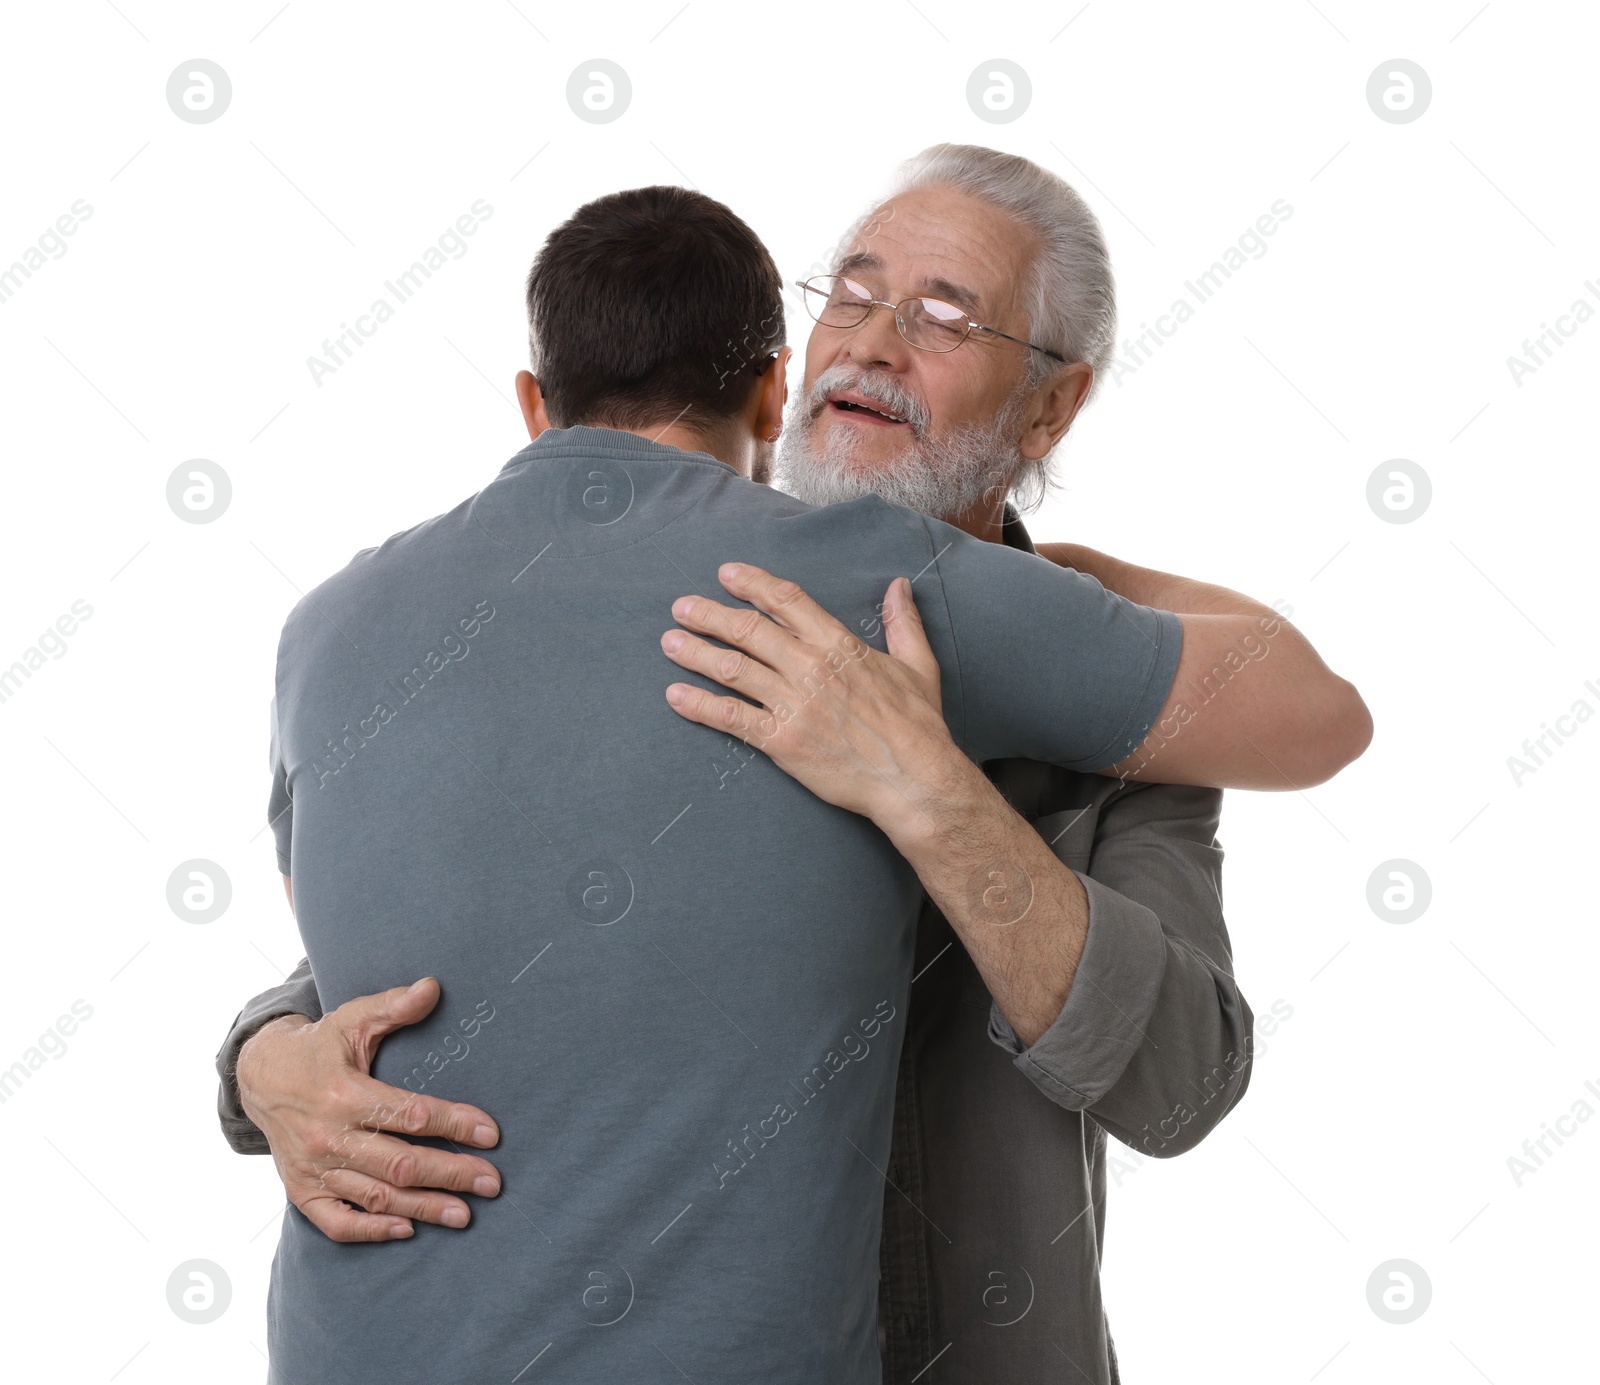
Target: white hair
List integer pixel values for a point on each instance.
(1070, 293)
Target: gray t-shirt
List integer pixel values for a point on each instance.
(675, 977)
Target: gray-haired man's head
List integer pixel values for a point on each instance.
(1015, 250)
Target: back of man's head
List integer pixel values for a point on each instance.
(651, 306)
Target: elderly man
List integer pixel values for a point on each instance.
(1092, 992)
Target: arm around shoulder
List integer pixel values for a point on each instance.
(1252, 706)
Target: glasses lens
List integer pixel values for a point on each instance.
(933, 325)
(835, 301)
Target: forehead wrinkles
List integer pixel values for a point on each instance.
(952, 237)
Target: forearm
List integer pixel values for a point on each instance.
(1022, 915)
(1265, 711)
(1149, 587)
(1299, 721)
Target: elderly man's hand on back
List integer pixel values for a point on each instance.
(308, 1086)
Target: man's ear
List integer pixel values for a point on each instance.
(1055, 405)
(531, 398)
(772, 393)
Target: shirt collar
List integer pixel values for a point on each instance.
(1012, 531)
(587, 440)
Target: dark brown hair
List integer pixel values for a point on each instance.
(651, 305)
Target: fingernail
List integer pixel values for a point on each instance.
(676, 692)
(454, 1216)
(731, 569)
(682, 607)
(399, 1231)
(673, 640)
(484, 1186)
(483, 1135)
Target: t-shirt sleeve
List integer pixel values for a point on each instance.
(1051, 666)
(280, 806)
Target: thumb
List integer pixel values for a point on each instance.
(365, 1020)
(908, 642)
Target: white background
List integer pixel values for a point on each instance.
(1419, 256)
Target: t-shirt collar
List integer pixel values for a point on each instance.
(1012, 531)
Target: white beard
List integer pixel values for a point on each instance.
(943, 476)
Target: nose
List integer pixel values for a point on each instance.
(876, 343)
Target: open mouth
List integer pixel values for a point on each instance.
(860, 408)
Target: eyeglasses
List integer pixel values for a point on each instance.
(927, 323)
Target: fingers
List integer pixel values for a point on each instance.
(785, 649)
(731, 667)
(730, 715)
(902, 624)
(749, 631)
(789, 641)
(366, 1019)
(379, 1183)
(384, 1199)
(364, 1022)
(786, 602)
(405, 1165)
(383, 1107)
(339, 1221)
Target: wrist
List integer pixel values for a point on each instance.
(927, 809)
(246, 1064)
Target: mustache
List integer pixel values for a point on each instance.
(874, 385)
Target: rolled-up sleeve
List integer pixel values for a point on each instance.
(1154, 1039)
